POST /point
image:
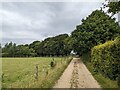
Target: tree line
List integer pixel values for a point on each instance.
(95, 29)
(52, 46)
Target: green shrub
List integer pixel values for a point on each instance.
(106, 58)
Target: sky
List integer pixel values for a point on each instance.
(25, 22)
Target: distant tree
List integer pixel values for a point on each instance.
(0, 45)
(24, 51)
(12, 50)
(95, 29)
(35, 45)
(0, 50)
(67, 46)
(55, 46)
(9, 50)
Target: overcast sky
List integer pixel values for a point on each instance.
(25, 22)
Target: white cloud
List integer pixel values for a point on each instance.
(13, 18)
(24, 22)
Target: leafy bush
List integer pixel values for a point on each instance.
(106, 58)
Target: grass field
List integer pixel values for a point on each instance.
(21, 72)
(105, 82)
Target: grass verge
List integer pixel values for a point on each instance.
(21, 72)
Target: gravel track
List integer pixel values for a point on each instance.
(76, 75)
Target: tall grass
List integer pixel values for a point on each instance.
(20, 72)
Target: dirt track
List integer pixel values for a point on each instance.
(76, 75)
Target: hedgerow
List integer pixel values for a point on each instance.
(106, 58)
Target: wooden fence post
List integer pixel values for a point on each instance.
(36, 71)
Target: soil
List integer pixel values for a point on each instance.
(76, 75)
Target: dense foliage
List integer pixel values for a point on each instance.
(52, 46)
(35, 46)
(106, 58)
(12, 50)
(114, 7)
(97, 28)
(55, 46)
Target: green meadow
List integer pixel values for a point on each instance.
(21, 72)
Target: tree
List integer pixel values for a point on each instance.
(114, 7)
(0, 50)
(0, 46)
(55, 46)
(35, 46)
(97, 28)
(67, 46)
(9, 50)
(24, 51)
(12, 50)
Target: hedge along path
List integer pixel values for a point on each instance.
(76, 75)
